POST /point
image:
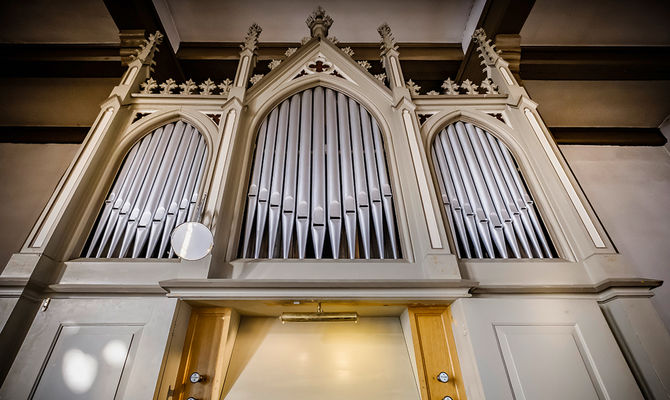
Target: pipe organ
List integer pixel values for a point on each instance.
(155, 190)
(487, 203)
(319, 172)
(326, 197)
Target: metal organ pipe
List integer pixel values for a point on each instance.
(330, 159)
(157, 183)
(490, 212)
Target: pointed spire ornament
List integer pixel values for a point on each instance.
(487, 51)
(251, 40)
(319, 22)
(388, 41)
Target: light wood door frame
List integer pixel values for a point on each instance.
(207, 350)
(435, 351)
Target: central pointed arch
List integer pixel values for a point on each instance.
(319, 185)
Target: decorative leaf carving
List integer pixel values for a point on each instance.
(225, 87)
(348, 51)
(433, 93)
(274, 64)
(450, 87)
(254, 79)
(188, 87)
(168, 86)
(207, 87)
(381, 77)
(489, 86)
(289, 52)
(365, 64)
(148, 86)
(470, 88)
(413, 87)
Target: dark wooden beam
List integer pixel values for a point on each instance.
(60, 60)
(43, 134)
(608, 136)
(498, 17)
(595, 62)
(132, 15)
(362, 51)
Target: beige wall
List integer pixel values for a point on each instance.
(29, 173)
(629, 188)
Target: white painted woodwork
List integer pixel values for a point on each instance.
(533, 347)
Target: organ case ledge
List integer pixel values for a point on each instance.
(392, 290)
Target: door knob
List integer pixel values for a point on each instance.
(196, 377)
(444, 378)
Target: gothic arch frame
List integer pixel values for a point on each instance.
(506, 135)
(132, 134)
(284, 91)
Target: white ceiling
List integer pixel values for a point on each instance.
(51, 21)
(355, 20)
(598, 22)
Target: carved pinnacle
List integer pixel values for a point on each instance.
(319, 22)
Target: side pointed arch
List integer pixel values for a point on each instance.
(155, 190)
(485, 196)
(319, 185)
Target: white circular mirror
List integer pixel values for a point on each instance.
(192, 240)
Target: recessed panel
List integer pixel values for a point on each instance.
(85, 363)
(547, 362)
(320, 360)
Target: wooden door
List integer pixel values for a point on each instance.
(435, 352)
(207, 349)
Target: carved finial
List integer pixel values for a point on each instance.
(486, 50)
(147, 49)
(168, 86)
(450, 87)
(319, 22)
(388, 41)
(251, 41)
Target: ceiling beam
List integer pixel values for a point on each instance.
(131, 15)
(595, 62)
(608, 136)
(498, 17)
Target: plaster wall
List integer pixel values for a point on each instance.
(29, 174)
(629, 188)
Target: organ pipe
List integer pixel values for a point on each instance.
(490, 212)
(155, 190)
(329, 169)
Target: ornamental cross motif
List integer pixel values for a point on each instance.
(207, 87)
(320, 66)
